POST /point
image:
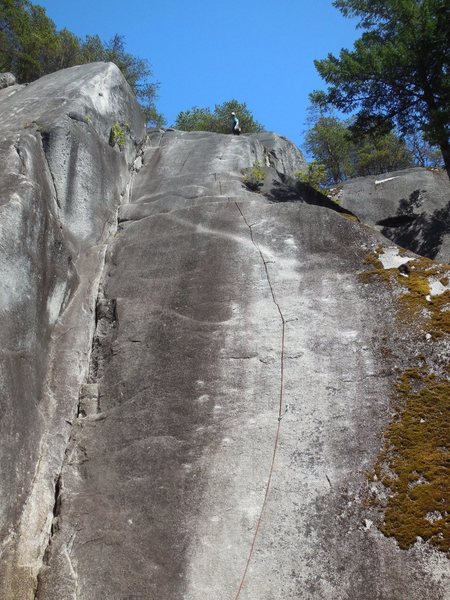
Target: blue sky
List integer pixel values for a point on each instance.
(204, 52)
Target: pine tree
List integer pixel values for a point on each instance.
(398, 72)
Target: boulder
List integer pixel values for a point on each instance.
(281, 154)
(6, 80)
(410, 207)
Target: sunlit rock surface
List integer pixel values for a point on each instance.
(217, 442)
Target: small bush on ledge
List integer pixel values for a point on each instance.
(254, 177)
(118, 134)
(315, 176)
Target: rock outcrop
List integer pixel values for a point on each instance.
(196, 390)
(60, 188)
(6, 80)
(410, 207)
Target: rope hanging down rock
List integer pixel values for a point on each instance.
(281, 405)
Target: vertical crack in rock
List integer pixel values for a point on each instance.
(88, 406)
(45, 141)
(53, 529)
(57, 505)
(281, 412)
(18, 150)
(88, 401)
(106, 321)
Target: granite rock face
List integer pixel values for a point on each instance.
(236, 397)
(198, 413)
(410, 207)
(60, 187)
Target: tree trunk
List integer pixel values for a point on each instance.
(445, 149)
(436, 128)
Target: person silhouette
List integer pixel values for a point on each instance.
(235, 129)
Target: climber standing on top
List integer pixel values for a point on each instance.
(235, 129)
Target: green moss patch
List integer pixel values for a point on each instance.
(416, 303)
(415, 463)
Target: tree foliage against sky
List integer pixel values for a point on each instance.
(219, 120)
(331, 143)
(425, 155)
(30, 47)
(398, 71)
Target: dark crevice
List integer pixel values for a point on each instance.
(53, 530)
(106, 324)
(18, 150)
(45, 142)
(57, 504)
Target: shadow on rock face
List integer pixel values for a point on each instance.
(397, 221)
(420, 232)
(290, 190)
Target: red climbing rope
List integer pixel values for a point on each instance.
(280, 411)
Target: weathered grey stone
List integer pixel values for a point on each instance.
(281, 154)
(88, 404)
(242, 394)
(6, 80)
(410, 207)
(60, 186)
